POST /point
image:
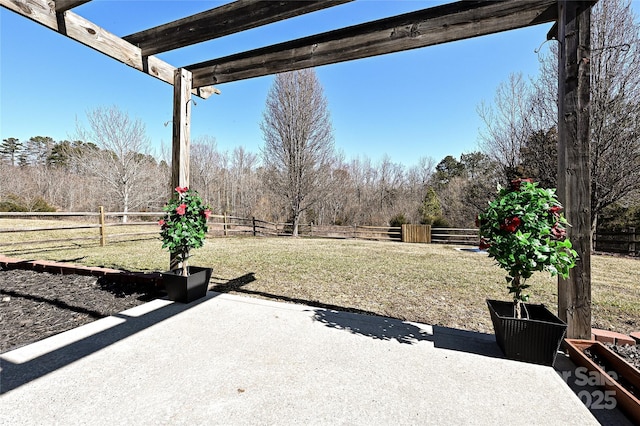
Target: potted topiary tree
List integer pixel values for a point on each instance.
(183, 228)
(524, 231)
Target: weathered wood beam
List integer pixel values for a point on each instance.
(181, 135)
(181, 128)
(441, 24)
(574, 176)
(221, 21)
(95, 37)
(64, 5)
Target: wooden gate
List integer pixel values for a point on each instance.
(416, 233)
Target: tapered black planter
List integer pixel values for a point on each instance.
(185, 289)
(535, 339)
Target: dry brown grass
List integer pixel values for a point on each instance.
(428, 283)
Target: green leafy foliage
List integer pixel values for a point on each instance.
(398, 220)
(430, 209)
(524, 231)
(184, 226)
(15, 203)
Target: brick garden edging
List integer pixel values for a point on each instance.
(71, 268)
(606, 336)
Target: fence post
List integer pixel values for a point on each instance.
(632, 240)
(103, 230)
(311, 229)
(224, 224)
(253, 218)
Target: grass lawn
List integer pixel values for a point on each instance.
(429, 283)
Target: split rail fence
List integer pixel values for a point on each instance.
(101, 227)
(104, 226)
(625, 241)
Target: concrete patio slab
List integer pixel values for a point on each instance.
(229, 359)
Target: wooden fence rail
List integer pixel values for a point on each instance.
(219, 225)
(626, 241)
(464, 236)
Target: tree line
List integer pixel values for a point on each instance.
(80, 176)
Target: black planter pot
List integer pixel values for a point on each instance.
(535, 339)
(185, 289)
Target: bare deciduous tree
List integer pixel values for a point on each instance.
(298, 149)
(507, 123)
(204, 166)
(615, 103)
(122, 161)
(246, 188)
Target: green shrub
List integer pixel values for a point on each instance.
(15, 203)
(440, 222)
(398, 220)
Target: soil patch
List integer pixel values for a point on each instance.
(629, 353)
(35, 305)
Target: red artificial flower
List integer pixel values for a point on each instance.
(555, 210)
(484, 244)
(511, 224)
(558, 232)
(181, 209)
(516, 183)
(161, 222)
(207, 213)
(181, 189)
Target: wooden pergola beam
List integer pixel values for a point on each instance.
(441, 24)
(221, 21)
(64, 5)
(97, 38)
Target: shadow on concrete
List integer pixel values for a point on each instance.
(371, 324)
(235, 286)
(383, 328)
(30, 362)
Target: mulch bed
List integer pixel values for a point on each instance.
(630, 353)
(35, 305)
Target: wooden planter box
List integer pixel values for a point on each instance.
(629, 403)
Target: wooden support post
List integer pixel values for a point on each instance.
(574, 177)
(181, 129)
(181, 134)
(254, 225)
(224, 224)
(103, 230)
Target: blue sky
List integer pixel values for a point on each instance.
(406, 105)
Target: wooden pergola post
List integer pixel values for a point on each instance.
(574, 177)
(181, 134)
